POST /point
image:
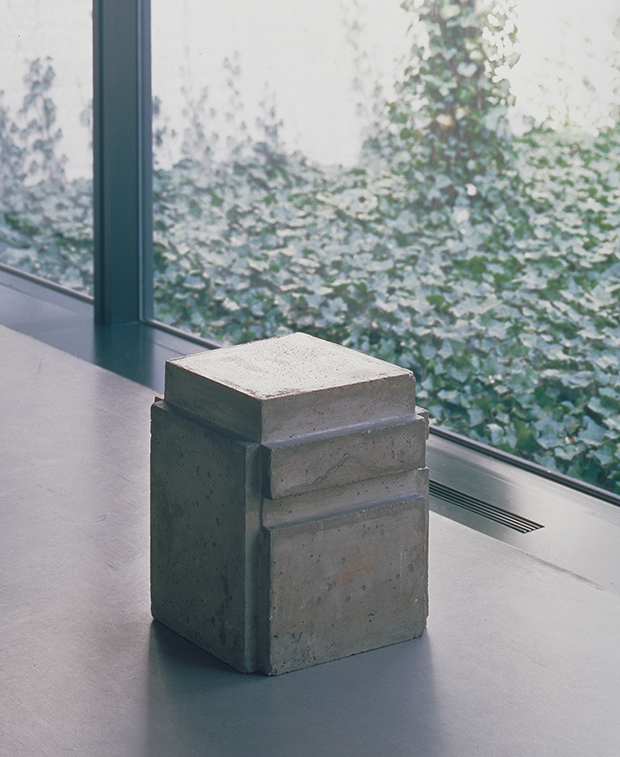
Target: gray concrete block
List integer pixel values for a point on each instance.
(425, 414)
(344, 584)
(289, 501)
(288, 386)
(205, 513)
(322, 461)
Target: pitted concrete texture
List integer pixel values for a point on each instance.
(288, 386)
(321, 461)
(360, 495)
(424, 414)
(204, 524)
(345, 584)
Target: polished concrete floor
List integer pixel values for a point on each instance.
(521, 655)
(133, 350)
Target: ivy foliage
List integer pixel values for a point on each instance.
(488, 264)
(508, 316)
(46, 221)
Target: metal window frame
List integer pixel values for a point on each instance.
(122, 161)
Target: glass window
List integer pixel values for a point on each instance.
(46, 226)
(393, 177)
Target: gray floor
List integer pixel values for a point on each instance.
(521, 656)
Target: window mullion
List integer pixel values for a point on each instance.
(122, 160)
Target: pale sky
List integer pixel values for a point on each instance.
(573, 38)
(299, 49)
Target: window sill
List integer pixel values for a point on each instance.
(580, 529)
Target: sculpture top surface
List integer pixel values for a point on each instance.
(288, 387)
(288, 365)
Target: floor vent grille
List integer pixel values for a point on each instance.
(516, 522)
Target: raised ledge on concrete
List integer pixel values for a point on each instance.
(322, 461)
(289, 514)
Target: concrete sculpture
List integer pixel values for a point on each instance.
(289, 503)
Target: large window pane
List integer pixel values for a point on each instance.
(45, 140)
(365, 173)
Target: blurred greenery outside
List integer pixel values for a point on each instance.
(487, 263)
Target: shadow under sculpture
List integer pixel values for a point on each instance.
(289, 503)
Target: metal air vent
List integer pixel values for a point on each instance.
(511, 520)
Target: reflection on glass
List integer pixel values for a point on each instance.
(46, 226)
(415, 210)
